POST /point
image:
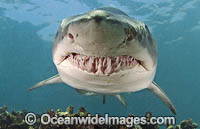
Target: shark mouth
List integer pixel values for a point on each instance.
(102, 65)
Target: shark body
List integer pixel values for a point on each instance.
(105, 52)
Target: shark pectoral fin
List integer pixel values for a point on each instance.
(121, 99)
(51, 80)
(161, 94)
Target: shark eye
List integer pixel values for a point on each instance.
(70, 36)
(130, 37)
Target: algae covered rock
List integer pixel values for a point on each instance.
(188, 124)
(82, 112)
(185, 124)
(15, 120)
(148, 116)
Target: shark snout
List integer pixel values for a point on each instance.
(97, 33)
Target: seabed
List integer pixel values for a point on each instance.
(16, 120)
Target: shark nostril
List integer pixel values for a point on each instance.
(70, 36)
(98, 19)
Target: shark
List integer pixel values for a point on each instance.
(105, 52)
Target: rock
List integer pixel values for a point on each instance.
(15, 120)
(3, 109)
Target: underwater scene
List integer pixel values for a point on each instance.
(71, 58)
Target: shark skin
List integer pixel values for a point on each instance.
(105, 52)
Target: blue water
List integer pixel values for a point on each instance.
(27, 30)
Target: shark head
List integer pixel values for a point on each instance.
(105, 51)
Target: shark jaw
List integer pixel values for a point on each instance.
(103, 65)
(104, 74)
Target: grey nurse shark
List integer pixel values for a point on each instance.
(105, 52)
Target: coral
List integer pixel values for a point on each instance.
(15, 120)
(185, 124)
(188, 124)
(148, 115)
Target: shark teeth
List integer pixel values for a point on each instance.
(102, 65)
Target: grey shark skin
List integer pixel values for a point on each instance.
(105, 52)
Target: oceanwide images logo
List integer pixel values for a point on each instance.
(46, 119)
